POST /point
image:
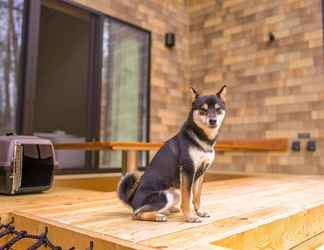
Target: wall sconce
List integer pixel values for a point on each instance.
(170, 40)
(271, 37)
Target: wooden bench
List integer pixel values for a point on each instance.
(129, 149)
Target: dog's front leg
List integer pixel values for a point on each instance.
(187, 177)
(197, 188)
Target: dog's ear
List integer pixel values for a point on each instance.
(194, 93)
(222, 93)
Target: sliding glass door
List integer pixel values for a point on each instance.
(85, 77)
(124, 109)
(61, 89)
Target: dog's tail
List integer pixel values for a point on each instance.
(127, 187)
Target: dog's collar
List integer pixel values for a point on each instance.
(199, 133)
(199, 143)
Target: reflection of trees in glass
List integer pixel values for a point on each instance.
(124, 85)
(11, 15)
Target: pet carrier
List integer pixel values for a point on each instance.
(27, 164)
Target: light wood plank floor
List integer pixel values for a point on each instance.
(267, 212)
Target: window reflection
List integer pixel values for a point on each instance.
(11, 17)
(124, 87)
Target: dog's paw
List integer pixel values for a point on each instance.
(193, 219)
(174, 210)
(171, 211)
(166, 212)
(202, 214)
(161, 217)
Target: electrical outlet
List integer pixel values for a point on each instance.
(295, 146)
(311, 145)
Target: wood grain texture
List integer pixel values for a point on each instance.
(282, 233)
(321, 247)
(67, 236)
(97, 182)
(257, 212)
(316, 242)
(223, 145)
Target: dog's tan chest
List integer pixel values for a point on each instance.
(200, 157)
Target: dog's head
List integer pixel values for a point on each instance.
(208, 111)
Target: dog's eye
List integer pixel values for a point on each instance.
(218, 111)
(202, 112)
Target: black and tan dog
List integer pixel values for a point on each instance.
(180, 163)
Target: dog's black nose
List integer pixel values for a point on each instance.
(212, 122)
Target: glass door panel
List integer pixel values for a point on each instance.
(61, 91)
(124, 108)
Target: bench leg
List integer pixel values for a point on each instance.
(129, 161)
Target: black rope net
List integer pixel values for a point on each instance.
(40, 240)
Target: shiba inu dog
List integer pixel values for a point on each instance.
(180, 164)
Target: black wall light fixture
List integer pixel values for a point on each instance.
(170, 40)
(271, 37)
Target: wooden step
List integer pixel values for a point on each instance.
(66, 236)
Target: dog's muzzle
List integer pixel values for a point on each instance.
(213, 123)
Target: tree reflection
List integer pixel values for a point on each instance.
(11, 16)
(124, 87)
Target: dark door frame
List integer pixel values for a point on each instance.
(27, 85)
(94, 87)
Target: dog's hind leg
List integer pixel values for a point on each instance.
(149, 213)
(151, 216)
(172, 206)
(160, 205)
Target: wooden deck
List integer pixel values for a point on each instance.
(259, 212)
